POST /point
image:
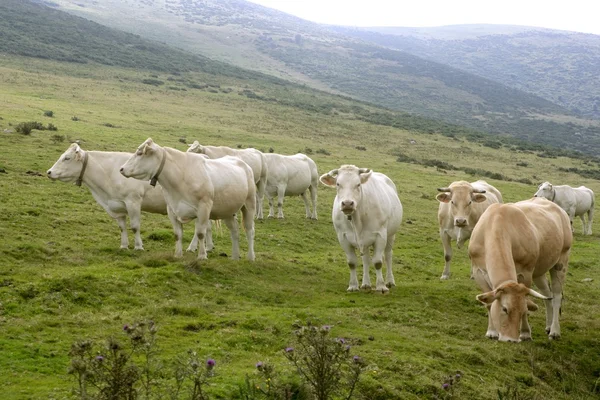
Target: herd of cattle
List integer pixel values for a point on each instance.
(511, 245)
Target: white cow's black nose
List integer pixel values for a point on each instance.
(121, 170)
(48, 172)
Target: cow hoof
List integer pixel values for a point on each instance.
(382, 289)
(548, 331)
(554, 336)
(365, 287)
(492, 335)
(524, 338)
(124, 247)
(444, 277)
(139, 248)
(390, 284)
(191, 250)
(352, 289)
(178, 255)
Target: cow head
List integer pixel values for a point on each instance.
(508, 305)
(545, 190)
(347, 180)
(196, 147)
(145, 163)
(69, 165)
(461, 195)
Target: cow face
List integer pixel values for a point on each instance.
(348, 180)
(508, 306)
(69, 165)
(545, 190)
(144, 163)
(461, 197)
(196, 147)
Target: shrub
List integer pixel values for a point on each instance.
(361, 148)
(307, 150)
(153, 82)
(48, 113)
(74, 118)
(323, 151)
(51, 127)
(57, 138)
(25, 128)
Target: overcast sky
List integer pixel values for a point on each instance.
(572, 15)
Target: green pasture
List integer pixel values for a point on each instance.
(63, 277)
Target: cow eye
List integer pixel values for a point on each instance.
(504, 310)
(470, 202)
(452, 201)
(358, 185)
(66, 159)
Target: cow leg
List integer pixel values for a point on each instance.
(558, 275)
(590, 218)
(248, 221)
(271, 208)
(260, 194)
(313, 198)
(352, 262)
(177, 231)
(480, 278)
(571, 213)
(306, 205)
(122, 222)
(447, 254)
(379, 247)
(389, 278)
(366, 260)
(209, 241)
(232, 224)
(542, 284)
(280, 195)
(525, 334)
(134, 222)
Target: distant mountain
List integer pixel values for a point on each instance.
(560, 66)
(274, 43)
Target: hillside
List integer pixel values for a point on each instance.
(64, 280)
(559, 66)
(275, 43)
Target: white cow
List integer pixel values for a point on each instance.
(120, 197)
(366, 212)
(461, 205)
(291, 176)
(199, 188)
(577, 202)
(254, 158)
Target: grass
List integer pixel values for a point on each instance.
(63, 278)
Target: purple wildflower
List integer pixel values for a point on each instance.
(356, 359)
(326, 328)
(259, 365)
(342, 340)
(126, 328)
(289, 350)
(99, 358)
(210, 363)
(446, 386)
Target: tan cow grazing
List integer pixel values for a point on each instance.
(461, 205)
(291, 176)
(253, 157)
(199, 188)
(366, 213)
(512, 245)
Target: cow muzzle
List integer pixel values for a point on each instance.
(348, 206)
(460, 222)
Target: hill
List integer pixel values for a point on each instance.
(559, 66)
(278, 44)
(63, 279)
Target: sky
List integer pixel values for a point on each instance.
(571, 15)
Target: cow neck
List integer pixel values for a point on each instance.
(553, 194)
(356, 224)
(171, 174)
(83, 168)
(154, 179)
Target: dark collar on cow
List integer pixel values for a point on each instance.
(160, 168)
(85, 161)
(553, 194)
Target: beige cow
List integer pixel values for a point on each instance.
(512, 246)
(461, 205)
(199, 188)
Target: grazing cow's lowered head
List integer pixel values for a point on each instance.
(196, 147)
(70, 166)
(347, 180)
(546, 191)
(461, 195)
(508, 305)
(146, 163)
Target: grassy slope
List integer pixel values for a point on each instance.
(64, 279)
(262, 39)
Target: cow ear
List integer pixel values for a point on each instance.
(479, 198)
(364, 176)
(444, 197)
(487, 298)
(531, 306)
(328, 180)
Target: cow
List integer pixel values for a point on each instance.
(577, 202)
(366, 213)
(120, 197)
(512, 245)
(291, 176)
(254, 158)
(461, 205)
(198, 188)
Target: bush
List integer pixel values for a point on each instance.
(74, 118)
(153, 82)
(25, 128)
(57, 138)
(51, 127)
(49, 113)
(361, 148)
(323, 151)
